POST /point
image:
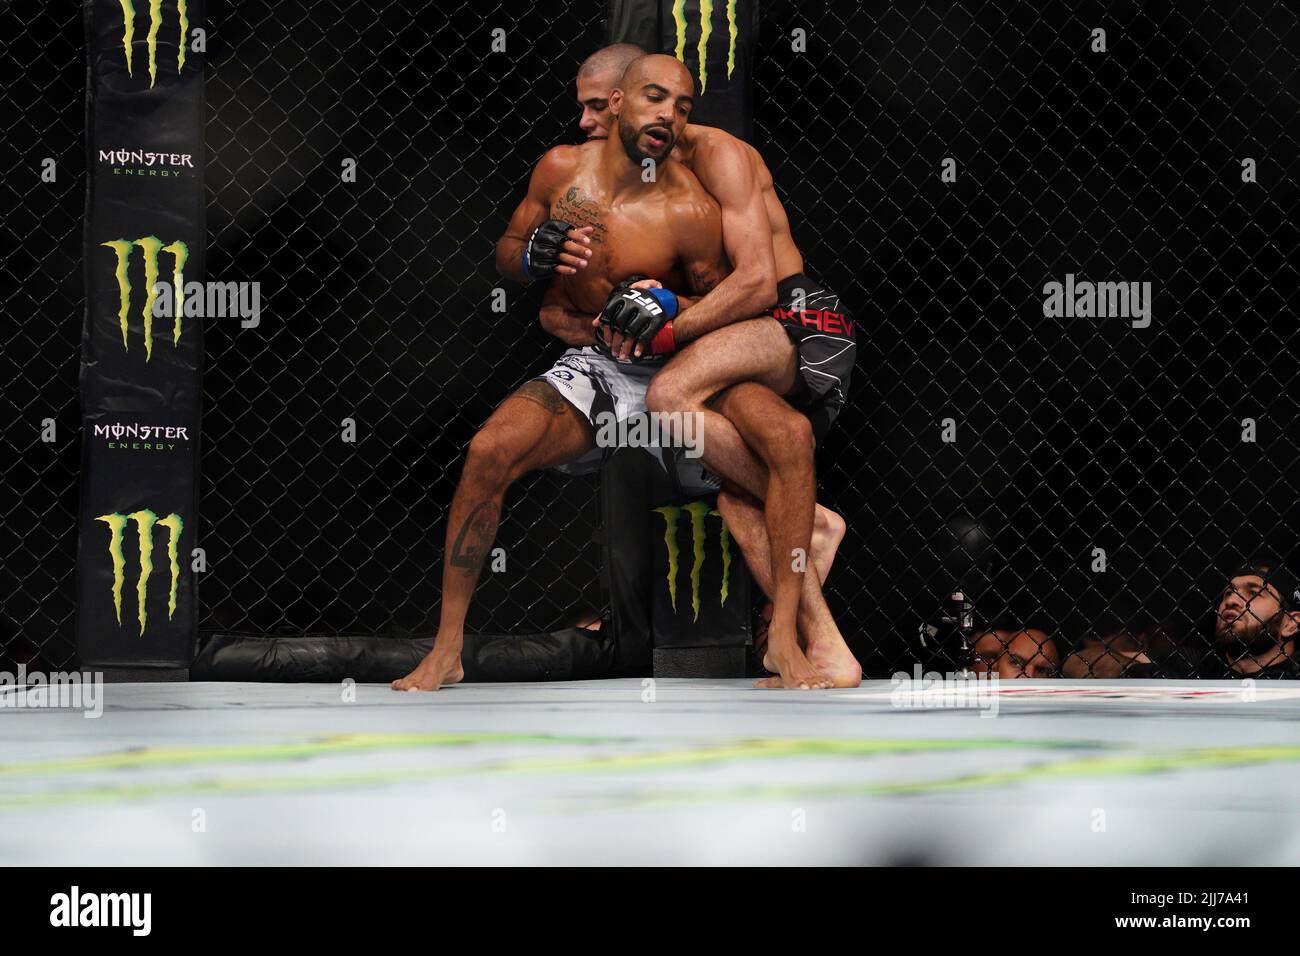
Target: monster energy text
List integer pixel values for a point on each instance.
(136, 437)
(138, 162)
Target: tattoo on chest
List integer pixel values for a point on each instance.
(580, 209)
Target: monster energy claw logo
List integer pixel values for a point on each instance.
(697, 511)
(706, 31)
(151, 246)
(155, 22)
(144, 523)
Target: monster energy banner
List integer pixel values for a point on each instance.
(140, 371)
(714, 38)
(700, 591)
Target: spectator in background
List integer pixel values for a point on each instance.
(1015, 652)
(1256, 623)
(1115, 655)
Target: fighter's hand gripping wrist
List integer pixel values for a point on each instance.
(641, 315)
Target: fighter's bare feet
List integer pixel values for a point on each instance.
(436, 670)
(833, 659)
(793, 669)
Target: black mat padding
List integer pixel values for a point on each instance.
(568, 654)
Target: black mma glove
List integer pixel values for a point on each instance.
(602, 343)
(542, 254)
(643, 315)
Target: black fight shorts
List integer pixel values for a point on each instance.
(824, 336)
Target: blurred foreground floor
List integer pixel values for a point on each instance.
(629, 772)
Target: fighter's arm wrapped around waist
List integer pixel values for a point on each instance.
(642, 318)
(658, 320)
(748, 287)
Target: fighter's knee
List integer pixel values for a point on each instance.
(787, 438)
(668, 393)
(662, 394)
(491, 456)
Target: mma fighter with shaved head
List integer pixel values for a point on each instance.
(632, 227)
(807, 369)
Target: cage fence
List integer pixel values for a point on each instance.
(1085, 483)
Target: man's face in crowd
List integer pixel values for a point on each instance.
(1115, 656)
(1249, 613)
(652, 112)
(593, 98)
(1010, 654)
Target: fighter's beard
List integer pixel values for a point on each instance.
(628, 138)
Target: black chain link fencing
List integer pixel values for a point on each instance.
(1080, 479)
(379, 300)
(42, 286)
(1072, 435)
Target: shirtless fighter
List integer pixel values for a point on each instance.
(780, 385)
(665, 226)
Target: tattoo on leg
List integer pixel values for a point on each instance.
(475, 537)
(539, 393)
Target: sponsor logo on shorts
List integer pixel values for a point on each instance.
(145, 521)
(696, 512)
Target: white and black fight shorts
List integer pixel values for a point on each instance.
(599, 386)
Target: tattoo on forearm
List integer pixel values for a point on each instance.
(475, 537)
(581, 210)
(539, 393)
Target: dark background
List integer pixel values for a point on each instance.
(1073, 434)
